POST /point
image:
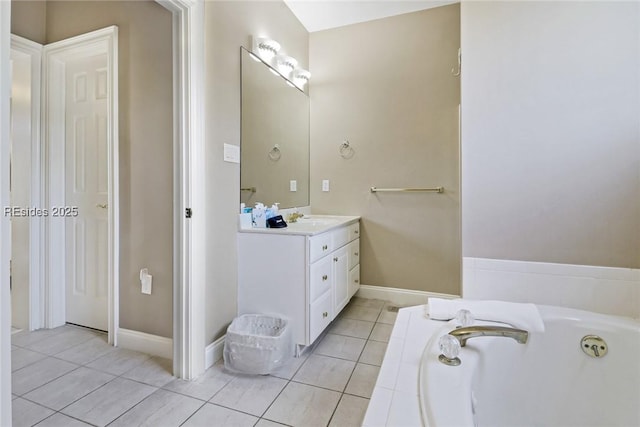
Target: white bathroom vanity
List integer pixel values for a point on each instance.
(306, 272)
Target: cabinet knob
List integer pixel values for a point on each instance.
(355, 253)
(324, 277)
(325, 314)
(357, 281)
(335, 259)
(324, 247)
(356, 231)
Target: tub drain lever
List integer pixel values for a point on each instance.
(594, 346)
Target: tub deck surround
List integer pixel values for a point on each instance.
(607, 290)
(413, 387)
(395, 399)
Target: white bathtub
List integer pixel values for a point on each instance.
(549, 381)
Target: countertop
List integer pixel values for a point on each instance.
(308, 225)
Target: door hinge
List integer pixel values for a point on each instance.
(188, 213)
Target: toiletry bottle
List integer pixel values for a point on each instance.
(259, 216)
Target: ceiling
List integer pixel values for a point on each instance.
(318, 15)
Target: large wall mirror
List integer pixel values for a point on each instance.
(274, 161)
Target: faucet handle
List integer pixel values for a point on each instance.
(449, 349)
(464, 318)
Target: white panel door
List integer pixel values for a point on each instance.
(86, 188)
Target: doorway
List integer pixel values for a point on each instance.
(81, 139)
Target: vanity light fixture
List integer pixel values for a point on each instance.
(301, 78)
(265, 48)
(286, 64)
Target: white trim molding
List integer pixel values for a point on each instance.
(214, 352)
(36, 229)
(189, 187)
(54, 57)
(5, 230)
(154, 345)
(601, 289)
(401, 297)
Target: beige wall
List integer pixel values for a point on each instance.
(28, 19)
(386, 86)
(228, 25)
(551, 132)
(146, 147)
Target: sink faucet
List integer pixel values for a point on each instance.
(463, 334)
(294, 217)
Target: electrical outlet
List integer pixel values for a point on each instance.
(325, 185)
(146, 281)
(293, 185)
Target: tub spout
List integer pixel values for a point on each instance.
(463, 334)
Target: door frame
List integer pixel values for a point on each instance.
(55, 56)
(36, 230)
(188, 193)
(189, 258)
(5, 242)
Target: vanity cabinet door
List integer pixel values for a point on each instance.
(320, 315)
(341, 277)
(354, 280)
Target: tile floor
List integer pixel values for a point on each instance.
(70, 376)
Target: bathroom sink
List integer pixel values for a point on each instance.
(318, 220)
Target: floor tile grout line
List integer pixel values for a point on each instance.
(82, 397)
(283, 388)
(335, 409)
(195, 412)
(43, 384)
(130, 409)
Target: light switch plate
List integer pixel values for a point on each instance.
(231, 153)
(325, 185)
(293, 185)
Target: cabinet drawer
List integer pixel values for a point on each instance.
(321, 278)
(354, 280)
(354, 253)
(319, 246)
(354, 231)
(340, 237)
(320, 315)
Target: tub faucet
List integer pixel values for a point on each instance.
(463, 334)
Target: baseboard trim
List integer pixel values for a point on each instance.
(154, 345)
(402, 297)
(213, 352)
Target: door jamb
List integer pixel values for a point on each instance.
(189, 187)
(36, 229)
